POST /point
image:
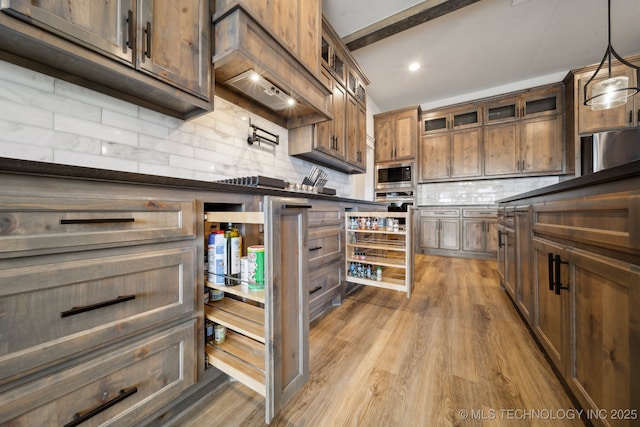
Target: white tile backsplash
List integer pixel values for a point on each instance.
(46, 119)
(478, 192)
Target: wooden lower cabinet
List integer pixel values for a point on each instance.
(326, 257)
(524, 292)
(603, 317)
(462, 231)
(118, 388)
(583, 261)
(550, 318)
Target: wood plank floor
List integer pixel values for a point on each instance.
(381, 359)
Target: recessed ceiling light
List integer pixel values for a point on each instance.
(414, 66)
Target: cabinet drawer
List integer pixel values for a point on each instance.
(329, 215)
(58, 224)
(608, 221)
(325, 245)
(324, 279)
(479, 213)
(435, 213)
(41, 307)
(144, 376)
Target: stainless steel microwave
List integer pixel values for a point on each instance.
(395, 175)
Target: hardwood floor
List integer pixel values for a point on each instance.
(455, 354)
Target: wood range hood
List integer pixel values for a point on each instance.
(243, 46)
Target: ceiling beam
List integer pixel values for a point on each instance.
(408, 18)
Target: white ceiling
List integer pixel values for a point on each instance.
(484, 49)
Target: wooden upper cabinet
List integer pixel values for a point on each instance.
(339, 143)
(590, 121)
(356, 138)
(524, 134)
(451, 145)
(168, 35)
(104, 27)
(434, 157)
(396, 134)
(460, 118)
(99, 44)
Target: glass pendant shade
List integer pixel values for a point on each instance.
(614, 91)
(611, 93)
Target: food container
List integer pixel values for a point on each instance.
(256, 267)
(219, 334)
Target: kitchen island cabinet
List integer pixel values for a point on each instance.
(584, 265)
(102, 279)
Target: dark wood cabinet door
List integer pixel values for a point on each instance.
(501, 156)
(541, 144)
(606, 344)
(384, 139)
(465, 153)
(172, 43)
(104, 26)
(550, 317)
(406, 134)
(434, 157)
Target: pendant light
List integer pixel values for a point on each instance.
(613, 91)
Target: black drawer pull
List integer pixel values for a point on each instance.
(317, 248)
(296, 206)
(77, 310)
(79, 418)
(550, 266)
(95, 220)
(314, 290)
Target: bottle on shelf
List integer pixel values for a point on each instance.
(233, 253)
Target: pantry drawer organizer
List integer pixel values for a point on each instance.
(266, 341)
(379, 250)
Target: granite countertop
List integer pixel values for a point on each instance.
(29, 167)
(628, 170)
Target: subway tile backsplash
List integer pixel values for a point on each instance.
(479, 192)
(50, 120)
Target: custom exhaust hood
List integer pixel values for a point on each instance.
(262, 90)
(254, 70)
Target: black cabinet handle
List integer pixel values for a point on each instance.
(77, 310)
(630, 118)
(317, 248)
(314, 290)
(500, 242)
(130, 34)
(95, 220)
(550, 261)
(79, 418)
(296, 206)
(558, 283)
(147, 31)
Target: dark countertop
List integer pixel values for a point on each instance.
(628, 170)
(29, 167)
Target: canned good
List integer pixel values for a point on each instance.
(216, 295)
(219, 334)
(255, 255)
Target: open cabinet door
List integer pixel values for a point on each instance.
(287, 326)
